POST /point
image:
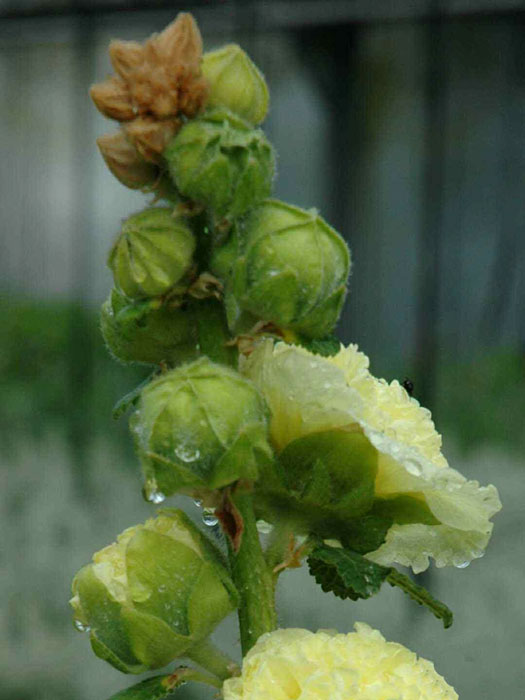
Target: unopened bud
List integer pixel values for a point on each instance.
(235, 82)
(219, 161)
(201, 426)
(125, 162)
(150, 136)
(152, 253)
(148, 598)
(167, 334)
(287, 266)
(112, 98)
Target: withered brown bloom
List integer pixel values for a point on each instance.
(156, 84)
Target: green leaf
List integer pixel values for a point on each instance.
(160, 687)
(365, 534)
(346, 574)
(130, 399)
(421, 596)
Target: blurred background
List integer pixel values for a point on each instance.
(403, 121)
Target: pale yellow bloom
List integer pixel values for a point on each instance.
(307, 393)
(294, 663)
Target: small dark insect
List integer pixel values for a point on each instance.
(408, 386)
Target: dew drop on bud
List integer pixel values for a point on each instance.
(209, 518)
(152, 493)
(187, 453)
(81, 627)
(263, 527)
(156, 497)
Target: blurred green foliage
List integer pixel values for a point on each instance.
(482, 401)
(53, 365)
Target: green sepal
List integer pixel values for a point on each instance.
(130, 399)
(333, 468)
(104, 653)
(324, 484)
(346, 574)
(152, 640)
(160, 687)
(326, 347)
(404, 509)
(212, 332)
(104, 614)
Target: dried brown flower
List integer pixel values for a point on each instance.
(125, 162)
(157, 84)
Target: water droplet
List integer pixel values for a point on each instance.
(156, 497)
(197, 502)
(412, 467)
(462, 565)
(187, 453)
(263, 527)
(80, 626)
(209, 518)
(152, 493)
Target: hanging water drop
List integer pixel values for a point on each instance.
(152, 493)
(80, 626)
(462, 565)
(197, 502)
(209, 518)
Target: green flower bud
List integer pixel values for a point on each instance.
(235, 82)
(286, 265)
(219, 161)
(153, 595)
(136, 332)
(152, 253)
(201, 426)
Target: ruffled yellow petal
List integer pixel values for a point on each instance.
(295, 663)
(308, 393)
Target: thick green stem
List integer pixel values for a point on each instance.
(253, 579)
(213, 660)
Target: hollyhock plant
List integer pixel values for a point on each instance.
(254, 409)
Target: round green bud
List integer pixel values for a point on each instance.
(152, 253)
(139, 332)
(235, 82)
(149, 332)
(221, 162)
(285, 265)
(201, 426)
(153, 595)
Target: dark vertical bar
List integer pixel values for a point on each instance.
(430, 241)
(506, 261)
(329, 53)
(80, 336)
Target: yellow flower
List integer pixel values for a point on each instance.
(307, 393)
(362, 665)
